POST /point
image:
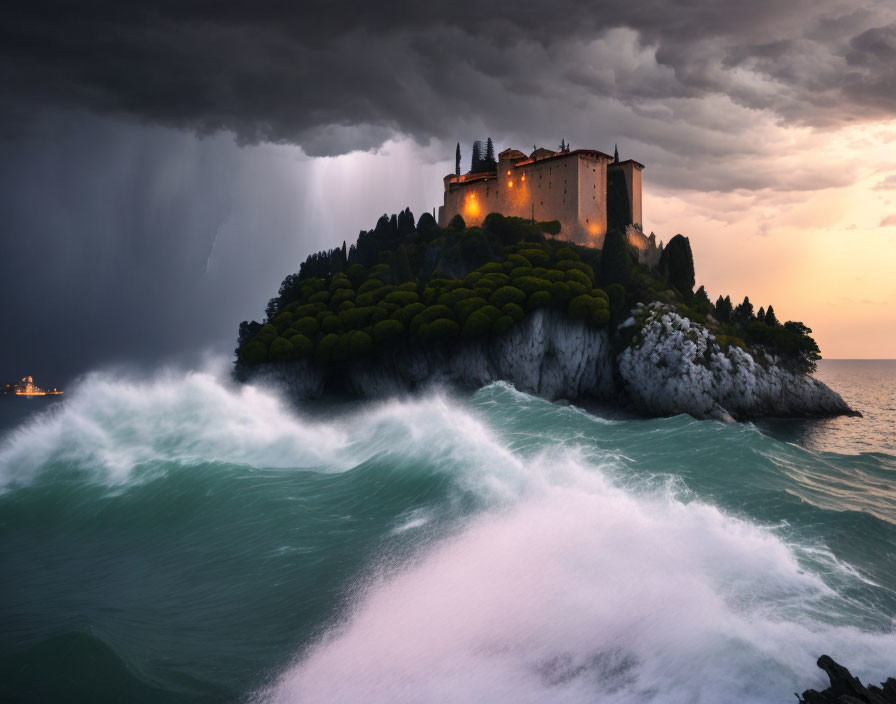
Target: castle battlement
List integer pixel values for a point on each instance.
(586, 190)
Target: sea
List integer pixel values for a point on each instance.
(179, 538)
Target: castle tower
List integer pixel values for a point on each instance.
(624, 193)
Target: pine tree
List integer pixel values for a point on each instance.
(476, 159)
(723, 309)
(760, 316)
(770, 318)
(457, 160)
(744, 311)
(562, 147)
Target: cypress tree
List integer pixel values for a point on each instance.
(677, 263)
(615, 263)
(457, 160)
(770, 318)
(490, 162)
(761, 314)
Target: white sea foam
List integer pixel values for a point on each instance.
(110, 426)
(586, 592)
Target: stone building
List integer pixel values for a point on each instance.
(585, 189)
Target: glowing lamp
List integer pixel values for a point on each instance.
(510, 184)
(508, 172)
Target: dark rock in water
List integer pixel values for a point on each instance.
(846, 689)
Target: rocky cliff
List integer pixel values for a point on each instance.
(670, 366)
(674, 366)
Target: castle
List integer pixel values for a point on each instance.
(586, 190)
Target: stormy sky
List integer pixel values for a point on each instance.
(163, 166)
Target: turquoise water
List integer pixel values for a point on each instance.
(181, 540)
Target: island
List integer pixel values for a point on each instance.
(536, 272)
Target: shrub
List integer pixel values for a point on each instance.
(387, 330)
(320, 297)
(578, 289)
(538, 299)
(408, 286)
(566, 253)
(309, 309)
(428, 315)
(354, 318)
(406, 314)
(402, 298)
(529, 284)
(507, 294)
(356, 273)
(307, 326)
(439, 329)
(370, 285)
(464, 308)
(340, 281)
(593, 311)
(324, 351)
(580, 277)
(519, 271)
(452, 297)
(538, 257)
(502, 325)
(360, 343)
(477, 323)
(267, 334)
(345, 305)
(340, 296)
(254, 353)
(553, 275)
(330, 324)
(495, 277)
(281, 349)
(567, 265)
(302, 345)
(560, 292)
(491, 268)
(517, 260)
(600, 293)
(514, 311)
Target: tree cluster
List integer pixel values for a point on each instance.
(412, 282)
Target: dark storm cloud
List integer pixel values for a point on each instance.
(339, 76)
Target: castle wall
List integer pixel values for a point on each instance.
(473, 200)
(592, 200)
(570, 188)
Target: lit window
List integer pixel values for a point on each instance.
(508, 172)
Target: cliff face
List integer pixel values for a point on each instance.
(673, 366)
(547, 354)
(677, 366)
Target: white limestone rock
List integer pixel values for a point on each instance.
(677, 366)
(547, 354)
